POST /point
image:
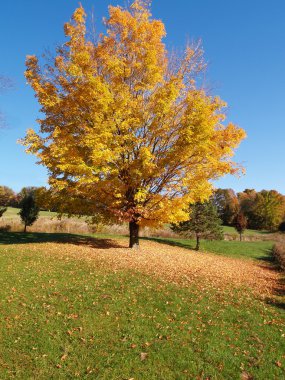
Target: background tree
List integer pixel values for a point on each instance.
(7, 196)
(269, 209)
(144, 140)
(227, 204)
(247, 201)
(29, 212)
(264, 209)
(204, 223)
(240, 223)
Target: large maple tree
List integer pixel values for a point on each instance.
(126, 131)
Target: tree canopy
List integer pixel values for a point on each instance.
(264, 209)
(126, 131)
(227, 204)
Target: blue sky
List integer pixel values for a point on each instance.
(244, 43)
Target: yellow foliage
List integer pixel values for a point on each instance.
(126, 128)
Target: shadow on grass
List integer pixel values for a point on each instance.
(279, 291)
(39, 237)
(265, 254)
(170, 242)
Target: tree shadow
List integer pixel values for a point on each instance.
(278, 299)
(170, 242)
(9, 238)
(267, 256)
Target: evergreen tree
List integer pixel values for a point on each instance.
(29, 211)
(204, 222)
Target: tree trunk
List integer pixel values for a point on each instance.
(240, 237)
(134, 234)
(197, 242)
(25, 228)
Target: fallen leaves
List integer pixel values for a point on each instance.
(143, 356)
(173, 264)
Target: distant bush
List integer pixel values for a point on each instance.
(5, 228)
(282, 227)
(279, 253)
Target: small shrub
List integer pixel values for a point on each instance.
(279, 254)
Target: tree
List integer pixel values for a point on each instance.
(7, 196)
(204, 222)
(126, 132)
(29, 212)
(227, 205)
(240, 223)
(269, 209)
(247, 201)
(264, 210)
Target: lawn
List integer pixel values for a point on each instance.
(247, 250)
(68, 310)
(232, 231)
(12, 213)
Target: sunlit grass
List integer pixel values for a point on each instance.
(237, 249)
(64, 318)
(13, 212)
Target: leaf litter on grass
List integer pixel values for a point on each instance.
(173, 264)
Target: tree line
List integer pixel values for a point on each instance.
(263, 210)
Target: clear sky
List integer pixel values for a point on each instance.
(244, 43)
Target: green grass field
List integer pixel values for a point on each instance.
(65, 318)
(232, 231)
(12, 213)
(247, 250)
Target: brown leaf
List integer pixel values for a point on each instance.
(246, 376)
(143, 355)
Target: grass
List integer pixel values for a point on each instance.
(12, 213)
(13, 238)
(248, 250)
(232, 231)
(259, 250)
(65, 318)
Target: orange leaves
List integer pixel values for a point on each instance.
(79, 15)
